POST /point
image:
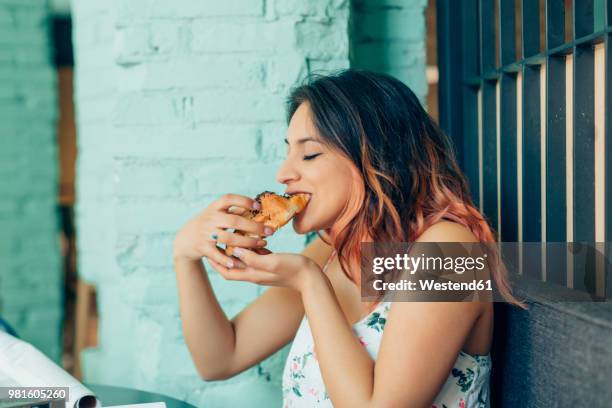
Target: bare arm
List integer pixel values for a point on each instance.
(420, 343)
(222, 348)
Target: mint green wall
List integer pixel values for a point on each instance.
(389, 36)
(31, 282)
(177, 103)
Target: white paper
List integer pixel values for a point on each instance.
(23, 365)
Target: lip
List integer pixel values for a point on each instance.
(293, 192)
(297, 192)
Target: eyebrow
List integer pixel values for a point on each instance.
(306, 139)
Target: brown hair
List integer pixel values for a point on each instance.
(406, 175)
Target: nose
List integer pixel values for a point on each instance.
(287, 172)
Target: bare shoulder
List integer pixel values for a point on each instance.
(447, 231)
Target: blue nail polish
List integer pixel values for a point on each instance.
(214, 236)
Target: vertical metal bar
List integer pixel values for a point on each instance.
(608, 149)
(471, 67)
(470, 140)
(608, 114)
(556, 204)
(532, 198)
(555, 23)
(487, 36)
(450, 66)
(584, 154)
(489, 152)
(530, 15)
(470, 41)
(583, 18)
(488, 106)
(507, 35)
(508, 152)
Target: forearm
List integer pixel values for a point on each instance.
(208, 333)
(346, 367)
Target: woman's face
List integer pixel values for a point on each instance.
(311, 167)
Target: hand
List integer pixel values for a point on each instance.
(288, 270)
(198, 238)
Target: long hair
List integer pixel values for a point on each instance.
(406, 177)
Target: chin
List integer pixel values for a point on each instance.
(304, 225)
(300, 227)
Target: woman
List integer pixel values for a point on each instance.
(377, 169)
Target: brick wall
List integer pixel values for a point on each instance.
(31, 282)
(389, 36)
(177, 103)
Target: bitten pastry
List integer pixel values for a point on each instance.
(275, 211)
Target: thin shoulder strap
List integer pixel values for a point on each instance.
(331, 257)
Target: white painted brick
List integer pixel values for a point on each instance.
(244, 106)
(139, 178)
(139, 291)
(226, 71)
(239, 179)
(153, 109)
(96, 32)
(133, 44)
(285, 71)
(326, 66)
(322, 40)
(189, 91)
(243, 36)
(273, 148)
(208, 140)
(145, 250)
(129, 10)
(317, 8)
(153, 217)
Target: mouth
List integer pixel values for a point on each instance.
(310, 195)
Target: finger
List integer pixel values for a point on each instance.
(237, 210)
(224, 270)
(228, 200)
(254, 260)
(262, 251)
(244, 224)
(218, 267)
(239, 240)
(251, 275)
(217, 255)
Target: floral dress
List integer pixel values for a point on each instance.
(467, 385)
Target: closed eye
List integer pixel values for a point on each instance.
(312, 156)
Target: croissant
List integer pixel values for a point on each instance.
(275, 211)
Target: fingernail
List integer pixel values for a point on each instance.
(268, 231)
(261, 242)
(256, 205)
(230, 264)
(238, 252)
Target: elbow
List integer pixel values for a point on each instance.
(207, 374)
(212, 372)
